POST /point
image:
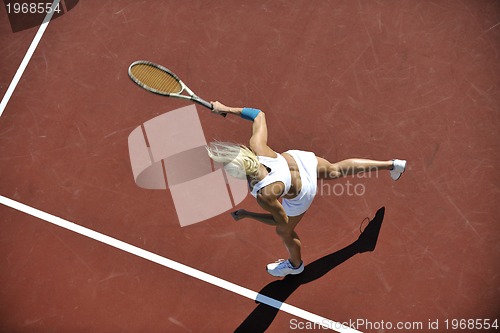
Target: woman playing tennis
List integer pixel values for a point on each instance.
(290, 177)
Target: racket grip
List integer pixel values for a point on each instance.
(208, 105)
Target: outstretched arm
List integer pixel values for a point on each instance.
(261, 217)
(258, 140)
(273, 206)
(220, 108)
(269, 201)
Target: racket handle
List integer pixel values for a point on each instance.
(208, 105)
(205, 104)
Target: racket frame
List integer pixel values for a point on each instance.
(192, 96)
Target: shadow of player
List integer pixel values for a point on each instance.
(261, 318)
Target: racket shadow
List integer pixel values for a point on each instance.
(262, 317)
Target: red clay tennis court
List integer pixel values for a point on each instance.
(417, 80)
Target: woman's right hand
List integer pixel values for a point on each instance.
(220, 108)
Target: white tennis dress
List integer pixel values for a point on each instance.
(280, 172)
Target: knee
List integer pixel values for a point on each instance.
(283, 231)
(334, 171)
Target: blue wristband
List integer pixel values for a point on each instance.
(249, 113)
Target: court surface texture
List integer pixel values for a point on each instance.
(84, 249)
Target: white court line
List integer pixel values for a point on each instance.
(197, 274)
(27, 58)
(327, 323)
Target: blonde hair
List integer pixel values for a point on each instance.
(238, 160)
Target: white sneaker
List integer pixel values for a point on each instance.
(398, 168)
(284, 267)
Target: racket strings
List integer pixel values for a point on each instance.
(156, 78)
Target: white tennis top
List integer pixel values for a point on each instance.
(280, 172)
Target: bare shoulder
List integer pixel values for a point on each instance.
(270, 203)
(266, 201)
(271, 192)
(263, 150)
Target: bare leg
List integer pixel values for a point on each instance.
(327, 170)
(291, 239)
(287, 233)
(293, 245)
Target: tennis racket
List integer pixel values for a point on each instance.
(160, 80)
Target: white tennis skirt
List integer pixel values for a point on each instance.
(308, 165)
